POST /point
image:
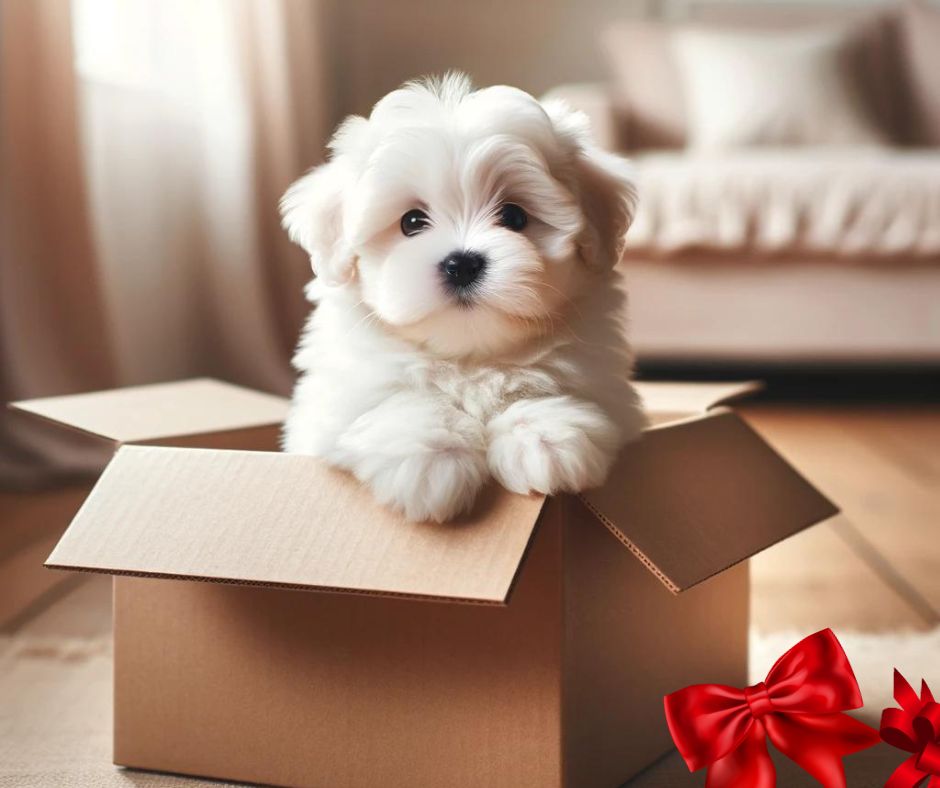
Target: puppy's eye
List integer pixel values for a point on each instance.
(512, 217)
(414, 222)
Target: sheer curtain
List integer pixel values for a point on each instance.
(144, 146)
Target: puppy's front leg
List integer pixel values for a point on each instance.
(551, 444)
(418, 454)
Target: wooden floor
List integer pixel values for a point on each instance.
(875, 567)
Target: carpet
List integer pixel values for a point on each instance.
(873, 656)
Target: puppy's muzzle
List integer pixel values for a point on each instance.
(461, 269)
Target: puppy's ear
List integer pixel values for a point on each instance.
(608, 199)
(604, 185)
(312, 214)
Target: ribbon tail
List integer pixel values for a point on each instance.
(748, 764)
(817, 742)
(907, 775)
(904, 694)
(926, 696)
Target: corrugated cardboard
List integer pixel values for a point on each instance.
(286, 520)
(193, 413)
(562, 687)
(628, 643)
(181, 411)
(341, 690)
(557, 683)
(700, 495)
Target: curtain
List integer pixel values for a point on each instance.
(144, 146)
(53, 328)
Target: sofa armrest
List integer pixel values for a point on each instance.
(595, 101)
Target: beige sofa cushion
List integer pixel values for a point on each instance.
(646, 79)
(646, 83)
(746, 89)
(920, 37)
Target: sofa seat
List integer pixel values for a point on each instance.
(852, 204)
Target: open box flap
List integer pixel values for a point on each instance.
(286, 520)
(671, 401)
(692, 498)
(141, 414)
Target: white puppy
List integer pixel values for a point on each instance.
(468, 322)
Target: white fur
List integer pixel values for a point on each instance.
(424, 398)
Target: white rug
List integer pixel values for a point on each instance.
(873, 656)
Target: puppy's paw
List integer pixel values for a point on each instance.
(436, 485)
(418, 458)
(551, 445)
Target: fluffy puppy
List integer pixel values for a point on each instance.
(468, 323)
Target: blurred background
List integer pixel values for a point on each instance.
(786, 154)
(788, 157)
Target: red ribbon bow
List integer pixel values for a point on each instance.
(798, 707)
(915, 728)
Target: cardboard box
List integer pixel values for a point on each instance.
(528, 644)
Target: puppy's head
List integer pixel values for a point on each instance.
(465, 219)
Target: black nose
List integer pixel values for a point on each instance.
(461, 269)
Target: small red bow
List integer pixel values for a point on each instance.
(798, 707)
(915, 728)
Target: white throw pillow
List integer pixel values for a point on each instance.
(753, 89)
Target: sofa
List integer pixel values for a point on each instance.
(770, 234)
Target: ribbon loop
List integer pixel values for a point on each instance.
(929, 759)
(927, 722)
(897, 729)
(798, 707)
(915, 727)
